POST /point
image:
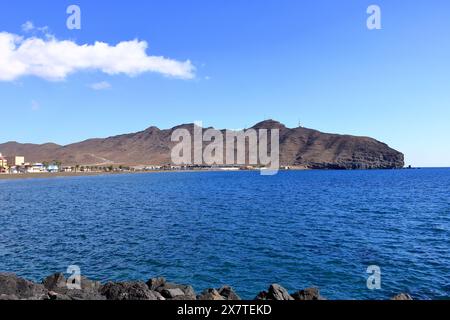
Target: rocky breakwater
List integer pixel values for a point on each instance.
(55, 287)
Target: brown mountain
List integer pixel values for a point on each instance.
(298, 147)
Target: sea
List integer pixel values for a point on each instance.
(325, 229)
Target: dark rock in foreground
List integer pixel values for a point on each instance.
(308, 295)
(15, 288)
(129, 291)
(228, 293)
(55, 287)
(224, 293)
(276, 292)
(402, 297)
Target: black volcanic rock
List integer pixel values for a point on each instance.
(275, 292)
(57, 286)
(129, 291)
(228, 293)
(210, 294)
(54, 287)
(299, 147)
(308, 295)
(15, 288)
(402, 297)
(155, 283)
(176, 291)
(223, 293)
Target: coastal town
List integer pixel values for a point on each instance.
(17, 165)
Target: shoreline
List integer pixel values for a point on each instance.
(57, 287)
(47, 175)
(26, 176)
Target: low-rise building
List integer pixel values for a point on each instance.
(16, 161)
(53, 168)
(36, 168)
(3, 164)
(149, 168)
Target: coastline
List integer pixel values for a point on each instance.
(57, 287)
(47, 175)
(31, 176)
(26, 176)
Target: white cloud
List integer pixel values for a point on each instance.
(28, 26)
(100, 85)
(54, 60)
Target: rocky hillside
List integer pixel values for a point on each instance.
(298, 147)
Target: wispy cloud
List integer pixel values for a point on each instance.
(28, 26)
(53, 59)
(100, 85)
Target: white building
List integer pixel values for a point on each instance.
(3, 164)
(16, 161)
(36, 168)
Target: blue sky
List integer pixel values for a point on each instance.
(309, 61)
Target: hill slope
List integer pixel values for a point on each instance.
(298, 147)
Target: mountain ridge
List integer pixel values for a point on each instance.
(299, 146)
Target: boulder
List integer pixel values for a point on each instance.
(55, 281)
(276, 292)
(210, 294)
(155, 283)
(52, 295)
(228, 293)
(58, 290)
(263, 295)
(308, 295)
(14, 288)
(175, 291)
(402, 297)
(8, 297)
(223, 293)
(129, 291)
(172, 293)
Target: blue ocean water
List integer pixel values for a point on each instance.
(298, 228)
